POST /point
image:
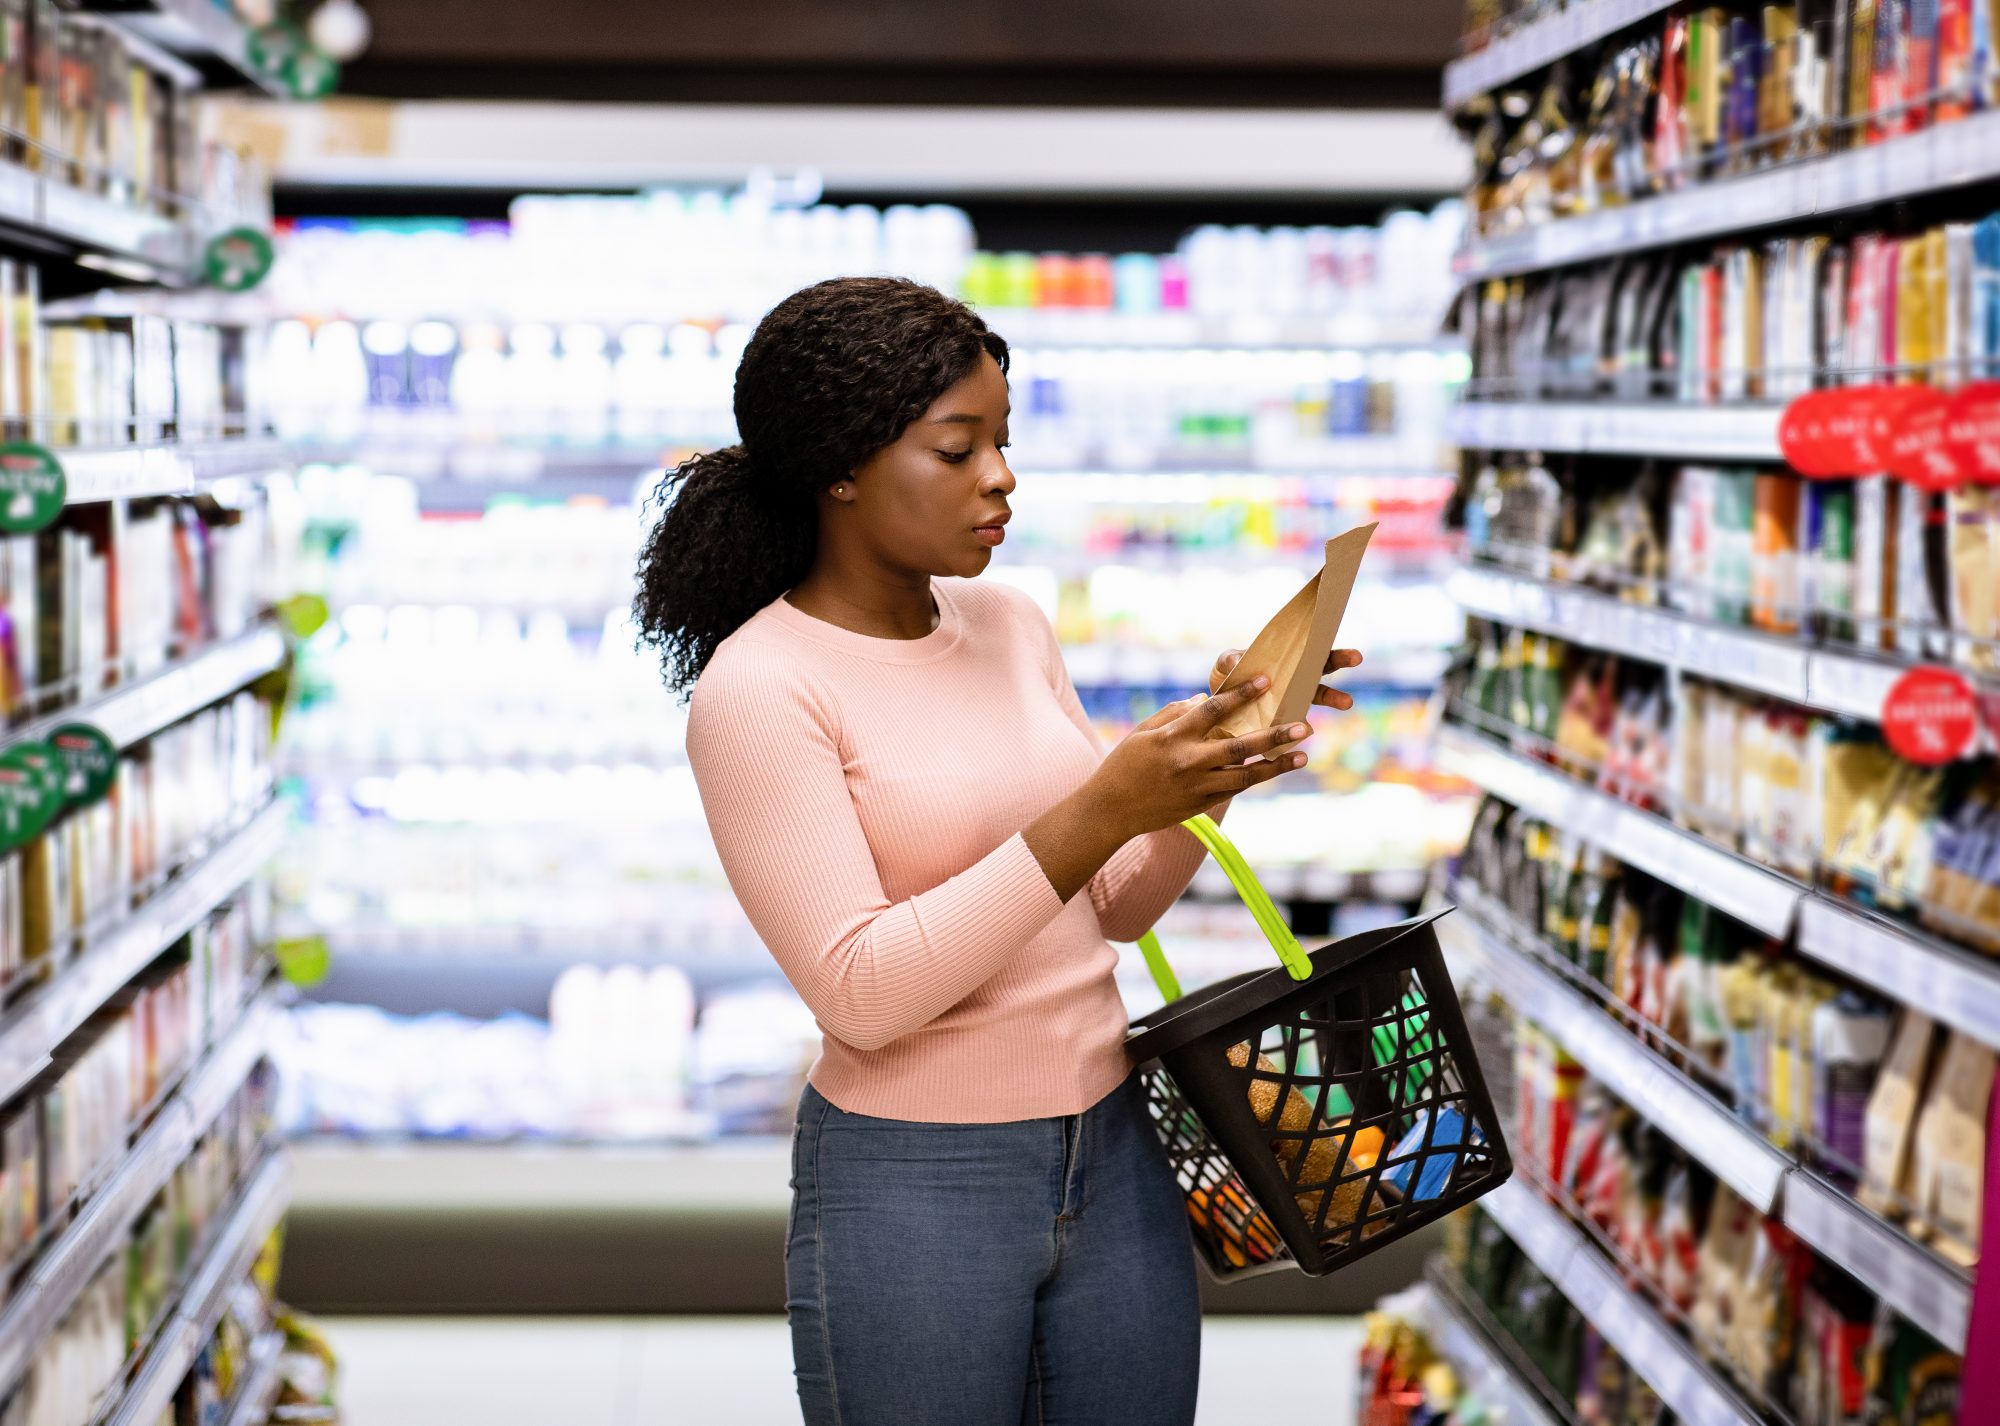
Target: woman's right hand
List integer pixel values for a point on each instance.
(1170, 767)
(1175, 764)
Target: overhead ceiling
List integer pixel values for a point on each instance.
(1337, 53)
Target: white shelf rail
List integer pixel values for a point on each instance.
(106, 1221)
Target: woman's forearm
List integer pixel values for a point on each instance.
(1075, 838)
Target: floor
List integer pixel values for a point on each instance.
(717, 1370)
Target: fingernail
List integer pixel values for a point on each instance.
(1298, 760)
(1259, 683)
(1297, 731)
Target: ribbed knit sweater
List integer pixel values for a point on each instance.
(867, 798)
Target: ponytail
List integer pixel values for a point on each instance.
(833, 374)
(721, 549)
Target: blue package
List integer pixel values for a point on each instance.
(1986, 293)
(1437, 1167)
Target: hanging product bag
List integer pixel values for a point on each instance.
(1324, 1108)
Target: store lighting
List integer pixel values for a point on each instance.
(340, 30)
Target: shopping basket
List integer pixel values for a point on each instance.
(1324, 1108)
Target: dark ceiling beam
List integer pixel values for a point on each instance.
(1280, 34)
(982, 85)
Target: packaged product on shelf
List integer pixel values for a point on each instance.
(1910, 1377)
(1948, 1154)
(1836, 1323)
(1892, 1115)
(1850, 1038)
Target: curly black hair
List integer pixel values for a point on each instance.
(833, 373)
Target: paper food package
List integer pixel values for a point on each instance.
(1292, 649)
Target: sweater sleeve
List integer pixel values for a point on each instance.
(766, 758)
(1146, 875)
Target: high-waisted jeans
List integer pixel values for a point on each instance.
(1033, 1272)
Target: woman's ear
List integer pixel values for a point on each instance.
(843, 490)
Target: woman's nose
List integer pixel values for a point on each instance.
(998, 478)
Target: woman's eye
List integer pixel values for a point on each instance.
(953, 457)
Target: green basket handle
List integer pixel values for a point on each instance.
(1291, 955)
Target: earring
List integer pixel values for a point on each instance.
(840, 490)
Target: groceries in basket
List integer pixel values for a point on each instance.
(1322, 1109)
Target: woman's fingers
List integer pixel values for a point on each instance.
(1255, 745)
(1231, 780)
(1333, 697)
(1203, 717)
(1225, 664)
(1166, 714)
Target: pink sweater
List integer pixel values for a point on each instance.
(867, 798)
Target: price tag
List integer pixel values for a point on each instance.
(26, 804)
(89, 763)
(1918, 450)
(1930, 716)
(32, 487)
(1972, 431)
(237, 260)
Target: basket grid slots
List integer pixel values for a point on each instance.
(1356, 1094)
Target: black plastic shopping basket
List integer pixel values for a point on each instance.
(1324, 1108)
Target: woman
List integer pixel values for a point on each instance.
(912, 808)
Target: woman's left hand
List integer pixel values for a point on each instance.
(1323, 696)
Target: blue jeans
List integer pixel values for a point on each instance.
(1033, 1272)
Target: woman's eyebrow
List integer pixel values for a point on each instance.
(958, 418)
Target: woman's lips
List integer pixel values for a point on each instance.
(990, 535)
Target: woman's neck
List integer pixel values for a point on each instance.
(875, 602)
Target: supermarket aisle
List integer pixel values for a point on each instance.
(636, 1372)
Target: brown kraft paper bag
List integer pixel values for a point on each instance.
(1292, 649)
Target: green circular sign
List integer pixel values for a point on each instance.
(89, 763)
(271, 47)
(32, 487)
(310, 74)
(237, 260)
(30, 792)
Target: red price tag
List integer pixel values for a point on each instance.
(1930, 716)
(1804, 435)
(1830, 435)
(1972, 431)
(1918, 450)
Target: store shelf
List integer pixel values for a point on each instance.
(457, 467)
(1539, 44)
(236, 1244)
(66, 1268)
(1755, 895)
(1903, 1274)
(1940, 157)
(136, 711)
(1243, 331)
(43, 213)
(747, 1175)
(1851, 684)
(1690, 430)
(206, 34)
(1952, 985)
(157, 468)
(1652, 1348)
(1482, 1361)
(31, 1029)
(261, 1383)
(1731, 1149)
(1949, 983)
